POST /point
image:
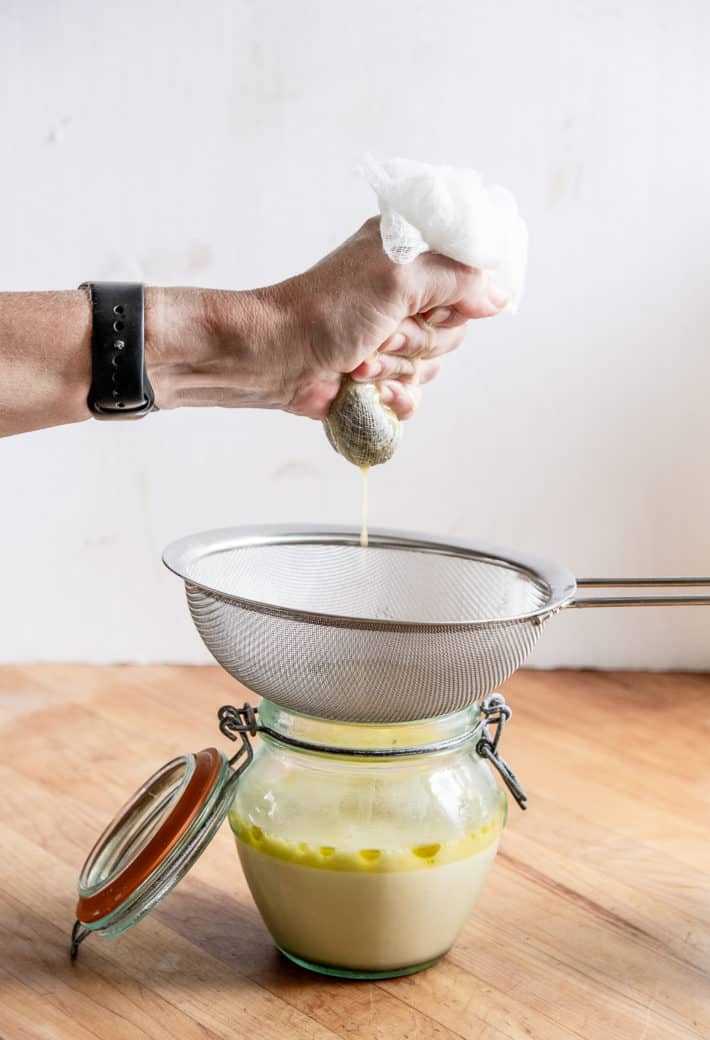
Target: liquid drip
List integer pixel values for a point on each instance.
(365, 470)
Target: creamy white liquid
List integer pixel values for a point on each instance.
(361, 920)
(365, 470)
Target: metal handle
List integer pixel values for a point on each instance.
(643, 601)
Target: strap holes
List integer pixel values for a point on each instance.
(120, 404)
(118, 344)
(118, 309)
(118, 326)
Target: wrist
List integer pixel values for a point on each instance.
(213, 347)
(173, 321)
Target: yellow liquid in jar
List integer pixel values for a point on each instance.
(343, 858)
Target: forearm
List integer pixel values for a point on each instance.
(201, 347)
(45, 359)
(286, 346)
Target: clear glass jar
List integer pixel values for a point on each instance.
(365, 866)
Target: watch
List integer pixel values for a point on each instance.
(120, 388)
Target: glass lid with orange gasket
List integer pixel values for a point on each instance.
(155, 839)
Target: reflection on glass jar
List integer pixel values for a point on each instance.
(366, 866)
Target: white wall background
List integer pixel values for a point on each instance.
(216, 143)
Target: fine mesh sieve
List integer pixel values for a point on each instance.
(409, 627)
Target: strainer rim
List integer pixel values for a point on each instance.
(182, 553)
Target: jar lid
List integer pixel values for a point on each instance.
(152, 842)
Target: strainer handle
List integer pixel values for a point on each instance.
(643, 601)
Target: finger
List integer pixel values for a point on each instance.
(411, 341)
(422, 339)
(428, 370)
(411, 371)
(403, 400)
(444, 317)
(425, 340)
(437, 281)
(385, 366)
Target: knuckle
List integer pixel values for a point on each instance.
(396, 366)
(409, 406)
(407, 369)
(406, 400)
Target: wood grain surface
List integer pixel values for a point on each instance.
(595, 922)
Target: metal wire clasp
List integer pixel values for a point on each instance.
(239, 723)
(496, 712)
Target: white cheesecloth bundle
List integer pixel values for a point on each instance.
(440, 209)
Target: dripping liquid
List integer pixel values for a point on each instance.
(365, 470)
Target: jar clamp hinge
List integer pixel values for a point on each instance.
(239, 724)
(495, 712)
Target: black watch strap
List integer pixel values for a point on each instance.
(120, 388)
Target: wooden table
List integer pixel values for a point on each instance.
(595, 922)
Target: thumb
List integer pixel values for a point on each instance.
(470, 292)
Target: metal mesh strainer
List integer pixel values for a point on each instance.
(408, 628)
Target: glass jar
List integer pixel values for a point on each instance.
(365, 846)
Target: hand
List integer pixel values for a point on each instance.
(289, 345)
